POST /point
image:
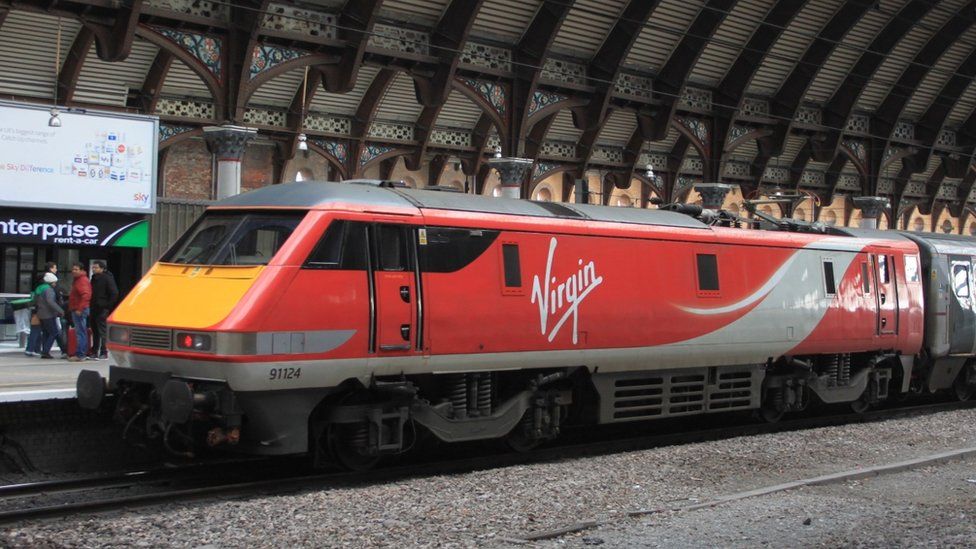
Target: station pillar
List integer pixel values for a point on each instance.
(871, 208)
(713, 194)
(227, 144)
(512, 172)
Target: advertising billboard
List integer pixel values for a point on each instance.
(73, 228)
(94, 161)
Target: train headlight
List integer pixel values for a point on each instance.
(118, 334)
(193, 342)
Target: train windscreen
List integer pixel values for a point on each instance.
(239, 238)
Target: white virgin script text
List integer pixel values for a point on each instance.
(563, 299)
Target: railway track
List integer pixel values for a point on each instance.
(114, 492)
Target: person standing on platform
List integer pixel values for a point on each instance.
(79, 301)
(48, 311)
(105, 292)
(52, 267)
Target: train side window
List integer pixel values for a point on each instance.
(866, 278)
(447, 250)
(392, 245)
(513, 268)
(707, 272)
(911, 268)
(829, 283)
(960, 279)
(343, 246)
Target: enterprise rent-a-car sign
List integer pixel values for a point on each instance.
(102, 162)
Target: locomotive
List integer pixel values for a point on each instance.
(348, 320)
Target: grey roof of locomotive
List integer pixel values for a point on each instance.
(313, 194)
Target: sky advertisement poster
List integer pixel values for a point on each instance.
(101, 162)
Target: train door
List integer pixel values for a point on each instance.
(887, 295)
(395, 286)
(962, 318)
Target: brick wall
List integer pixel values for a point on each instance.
(257, 168)
(187, 171)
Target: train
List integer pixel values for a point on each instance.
(350, 320)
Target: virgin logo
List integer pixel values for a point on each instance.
(561, 301)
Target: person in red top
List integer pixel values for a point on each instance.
(79, 301)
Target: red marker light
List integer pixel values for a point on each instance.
(188, 341)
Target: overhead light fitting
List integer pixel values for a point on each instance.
(54, 121)
(498, 152)
(650, 172)
(302, 142)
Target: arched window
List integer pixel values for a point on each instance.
(829, 217)
(947, 227)
(918, 225)
(543, 194)
(800, 214)
(972, 229)
(623, 201)
(304, 174)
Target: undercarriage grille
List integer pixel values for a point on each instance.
(151, 338)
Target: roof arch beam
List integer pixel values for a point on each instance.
(355, 25)
(114, 43)
(246, 17)
(840, 106)
(530, 55)
(73, 63)
(885, 118)
(448, 39)
(152, 85)
(671, 81)
(786, 102)
(365, 114)
(728, 96)
(165, 44)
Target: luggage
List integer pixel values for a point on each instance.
(73, 341)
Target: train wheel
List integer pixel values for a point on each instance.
(963, 387)
(348, 445)
(773, 408)
(520, 438)
(860, 405)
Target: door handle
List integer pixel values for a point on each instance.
(405, 332)
(395, 347)
(405, 294)
(884, 321)
(883, 297)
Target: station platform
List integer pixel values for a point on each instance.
(24, 378)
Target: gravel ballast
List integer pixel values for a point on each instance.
(503, 507)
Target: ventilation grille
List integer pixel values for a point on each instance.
(151, 338)
(647, 395)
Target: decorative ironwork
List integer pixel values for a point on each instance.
(185, 108)
(483, 55)
(205, 49)
(336, 149)
(697, 127)
(168, 131)
(856, 148)
(371, 151)
(542, 168)
(266, 57)
(542, 99)
(492, 92)
(319, 24)
(737, 132)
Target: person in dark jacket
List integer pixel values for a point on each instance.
(48, 311)
(105, 292)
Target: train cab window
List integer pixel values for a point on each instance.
(233, 238)
(392, 244)
(447, 250)
(707, 272)
(830, 285)
(343, 246)
(960, 279)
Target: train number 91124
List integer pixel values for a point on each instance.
(284, 373)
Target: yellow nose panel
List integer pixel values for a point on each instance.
(185, 296)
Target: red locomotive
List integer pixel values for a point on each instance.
(338, 319)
